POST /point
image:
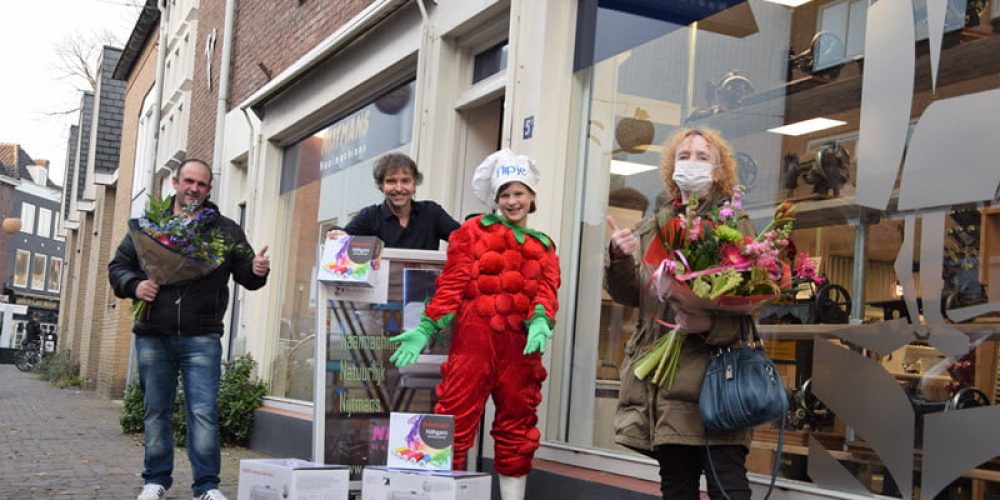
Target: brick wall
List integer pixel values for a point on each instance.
(271, 33)
(109, 342)
(84, 306)
(117, 321)
(67, 334)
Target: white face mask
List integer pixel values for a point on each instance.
(693, 176)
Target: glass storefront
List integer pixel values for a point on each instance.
(326, 177)
(880, 120)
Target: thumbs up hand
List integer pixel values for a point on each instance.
(623, 241)
(261, 263)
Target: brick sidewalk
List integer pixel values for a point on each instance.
(68, 444)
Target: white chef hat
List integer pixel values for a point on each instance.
(499, 169)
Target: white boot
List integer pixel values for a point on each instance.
(512, 488)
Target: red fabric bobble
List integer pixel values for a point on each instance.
(532, 249)
(531, 270)
(475, 270)
(489, 285)
(484, 306)
(498, 324)
(480, 248)
(512, 260)
(530, 287)
(491, 263)
(515, 322)
(504, 304)
(522, 304)
(495, 241)
(511, 282)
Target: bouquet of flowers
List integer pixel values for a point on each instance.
(703, 262)
(173, 249)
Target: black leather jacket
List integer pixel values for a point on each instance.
(191, 308)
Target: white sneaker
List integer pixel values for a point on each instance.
(152, 491)
(211, 495)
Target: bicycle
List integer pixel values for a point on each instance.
(28, 356)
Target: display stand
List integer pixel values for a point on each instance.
(356, 386)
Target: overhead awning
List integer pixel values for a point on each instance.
(605, 28)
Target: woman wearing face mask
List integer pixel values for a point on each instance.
(499, 288)
(662, 424)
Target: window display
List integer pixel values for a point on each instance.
(891, 163)
(325, 177)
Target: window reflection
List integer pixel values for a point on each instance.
(800, 65)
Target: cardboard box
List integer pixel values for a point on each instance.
(279, 479)
(382, 483)
(420, 441)
(350, 260)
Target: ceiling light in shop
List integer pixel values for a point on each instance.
(807, 126)
(790, 3)
(619, 167)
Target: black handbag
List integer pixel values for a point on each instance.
(742, 389)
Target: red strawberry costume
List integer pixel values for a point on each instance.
(497, 278)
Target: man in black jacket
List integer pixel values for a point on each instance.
(33, 332)
(182, 334)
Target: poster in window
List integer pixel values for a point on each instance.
(55, 274)
(38, 272)
(21, 268)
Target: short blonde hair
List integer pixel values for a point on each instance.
(725, 183)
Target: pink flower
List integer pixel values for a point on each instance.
(725, 213)
(696, 230)
(730, 254)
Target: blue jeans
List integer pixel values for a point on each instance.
(198, 358)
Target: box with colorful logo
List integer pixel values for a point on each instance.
(350, 260)
(420, 441)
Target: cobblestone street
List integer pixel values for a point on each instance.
(67, 443)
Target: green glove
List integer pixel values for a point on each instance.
(539, 332)
(412, 342)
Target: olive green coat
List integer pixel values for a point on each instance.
(648, 415)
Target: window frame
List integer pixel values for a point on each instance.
(27, 218)
(23, 282)
(34, 265)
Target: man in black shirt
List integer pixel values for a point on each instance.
(400, 221)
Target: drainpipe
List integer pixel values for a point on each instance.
(161, 58)
(422, 90)
(222, 102)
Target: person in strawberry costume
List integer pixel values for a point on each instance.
(499, 287)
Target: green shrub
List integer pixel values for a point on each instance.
(179, 418)
(59, 368)
(132, 411)
(240, 394)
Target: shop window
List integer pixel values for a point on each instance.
(38, 272)
(27, 218)
(21, 268)
(926, 280)
(326, 176)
